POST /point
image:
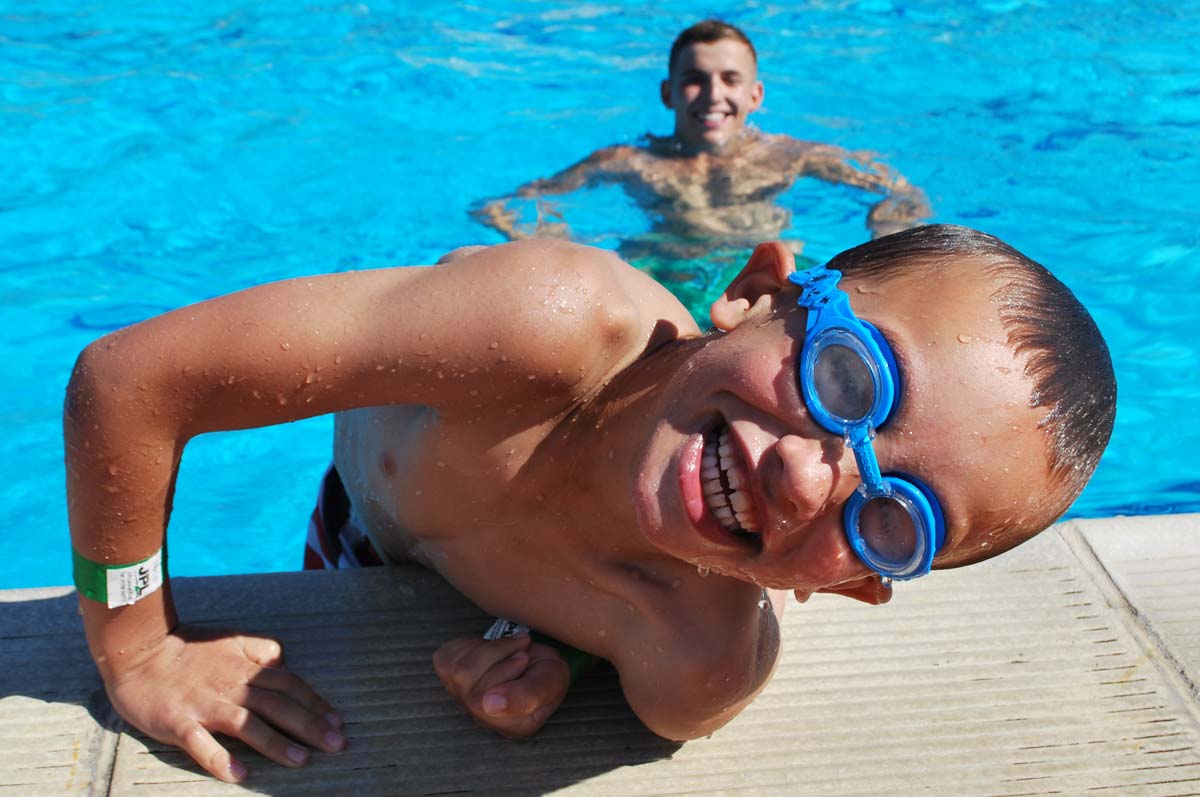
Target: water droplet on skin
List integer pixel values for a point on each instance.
(963, 337)
(702, 570)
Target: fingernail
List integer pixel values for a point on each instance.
(236, 770)
(334, 719)
(297, 754)
(334, 741)
(494, 704)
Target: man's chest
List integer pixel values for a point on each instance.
(713, 184)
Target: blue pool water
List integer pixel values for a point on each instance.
(152, 156)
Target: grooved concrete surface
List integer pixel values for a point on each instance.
(1068, 666)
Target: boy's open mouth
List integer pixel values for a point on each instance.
(724, 482)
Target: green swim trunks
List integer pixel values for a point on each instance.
(697, 281)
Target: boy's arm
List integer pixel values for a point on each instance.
(608, 163)
(904, 206)
(696, 687)
(438, 337)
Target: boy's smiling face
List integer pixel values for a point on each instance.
(963, 426)
(713, 88)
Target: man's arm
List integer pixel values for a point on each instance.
(274, 354)
(904, 205)
(609, 163)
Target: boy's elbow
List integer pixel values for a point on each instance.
(85, 382)
(689, 707)
(685, 723)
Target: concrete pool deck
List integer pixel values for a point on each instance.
(1069, 665)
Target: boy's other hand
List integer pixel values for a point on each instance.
(510, 685)
(197, 682)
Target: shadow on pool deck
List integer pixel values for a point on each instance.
(1065, 666)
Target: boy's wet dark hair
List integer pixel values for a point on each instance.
(1065, 356)
(707, 32)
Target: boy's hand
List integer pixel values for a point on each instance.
(199, 682)
(510, 685)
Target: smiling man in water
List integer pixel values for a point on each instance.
(548, 429)
(715, 180)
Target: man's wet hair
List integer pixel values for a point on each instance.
(1066, 357)
(707, 32)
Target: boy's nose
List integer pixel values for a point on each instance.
(817, 474)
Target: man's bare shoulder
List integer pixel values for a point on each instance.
(781, 150)
(616, 160)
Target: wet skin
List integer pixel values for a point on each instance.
(620, 577)
(714, 181)
(526, 421)
(963, 391)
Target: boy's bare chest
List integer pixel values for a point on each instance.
(523, 544)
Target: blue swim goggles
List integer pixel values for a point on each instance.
(851, 385)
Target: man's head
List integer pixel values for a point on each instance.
(1007, 400)
(712, 85)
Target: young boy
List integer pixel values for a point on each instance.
(546, 427)
(714, 180)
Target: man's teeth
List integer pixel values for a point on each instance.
(721, 479)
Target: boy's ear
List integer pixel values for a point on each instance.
(764, 275)
(664, 93)
(869, 589)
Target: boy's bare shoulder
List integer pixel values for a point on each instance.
(564, 302)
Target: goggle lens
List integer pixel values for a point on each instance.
(888, 530)
(843, 382)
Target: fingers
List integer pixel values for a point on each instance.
(262, 650)
(294, 719)
(208, 753)
(543, 684)
(297, 689)
(508, 685)
(241, 723)
(461, 663)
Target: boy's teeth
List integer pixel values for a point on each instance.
(722, 476)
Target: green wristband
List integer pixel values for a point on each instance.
(118, 585)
